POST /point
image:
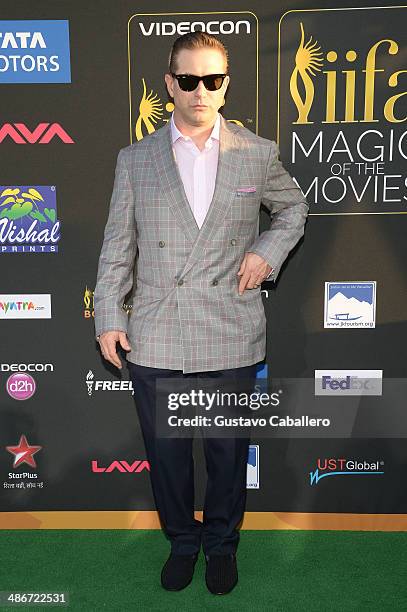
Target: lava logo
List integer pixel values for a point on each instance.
(350, 305)
(121, 466)
(20, 386)
(42, 134)
(345, 467)
(25, 306)
(35, 51)
(23, 453)
(252, 476)
(28, 220)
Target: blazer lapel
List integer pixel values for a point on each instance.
(227, 177)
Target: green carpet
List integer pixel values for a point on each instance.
(278, 571)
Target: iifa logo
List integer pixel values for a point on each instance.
(28, 222)
(345, 467)
(42, 134)
(35, 51)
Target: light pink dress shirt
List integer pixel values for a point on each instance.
(197, 168)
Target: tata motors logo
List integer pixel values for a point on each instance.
(345, 467)
(28, 219)
(348, 382)
(25, 306)
(35, 51)
(350, 305)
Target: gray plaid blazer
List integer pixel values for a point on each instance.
(187, 313)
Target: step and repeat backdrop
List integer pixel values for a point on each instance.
(79, 81)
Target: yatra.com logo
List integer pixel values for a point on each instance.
(20, 386)
(345, 467)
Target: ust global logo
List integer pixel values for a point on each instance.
(35, 51)
(345, 467)
(342, 108)
(348, 382)
(350, 305)
(43, 133)
(152, 35)
(28, 220)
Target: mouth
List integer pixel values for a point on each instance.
(199, 107)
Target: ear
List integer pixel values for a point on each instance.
(225, 83)
(169, 81)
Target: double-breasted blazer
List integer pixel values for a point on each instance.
(187, 313)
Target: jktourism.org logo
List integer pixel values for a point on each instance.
(28, 220)
(350, 305)
(345, 467)
(35, 51)
(25, 306)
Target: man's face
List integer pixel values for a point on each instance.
(199, 107)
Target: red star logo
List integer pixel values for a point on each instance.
(23, 453)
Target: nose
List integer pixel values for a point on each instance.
(200, 90)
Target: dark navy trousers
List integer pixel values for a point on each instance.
(172, 470)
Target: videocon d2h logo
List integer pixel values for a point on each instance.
(342, 108)
(28, 220)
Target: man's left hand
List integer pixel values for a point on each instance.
(253, 271)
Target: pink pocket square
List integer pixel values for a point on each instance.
(243, 190)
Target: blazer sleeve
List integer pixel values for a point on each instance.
(117, 257)
(288, 208)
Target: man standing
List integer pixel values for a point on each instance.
(185, 203)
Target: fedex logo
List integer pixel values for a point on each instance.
(348, 382)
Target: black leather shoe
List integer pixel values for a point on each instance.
(221, 573)
(178, 571)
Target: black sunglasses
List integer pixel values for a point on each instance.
(189, 82)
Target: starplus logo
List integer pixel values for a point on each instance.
(23, 452)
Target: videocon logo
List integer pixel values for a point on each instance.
(28, 220)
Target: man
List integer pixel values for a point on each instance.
(186, 201)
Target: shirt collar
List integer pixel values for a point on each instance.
(176, 134)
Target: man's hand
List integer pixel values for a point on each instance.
(108, 342)
(253, 270)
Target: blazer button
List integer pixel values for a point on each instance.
(215, 282)
(180, 282)
(233, 241)
(161, 243)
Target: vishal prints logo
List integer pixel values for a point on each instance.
(152, 36)
(342, 97)
(28, 220)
